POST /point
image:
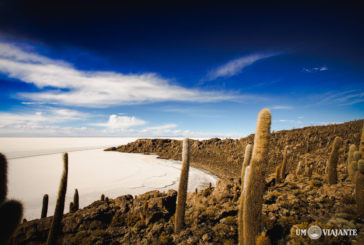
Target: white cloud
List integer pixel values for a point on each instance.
(281, 107)
(235, 66)
(121, 122)
(63, 84)
(315, 69)
(39, 119)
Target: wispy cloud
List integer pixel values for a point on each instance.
(315, 69)
(38, 119)
(235, 66)
(349, 97)
(61, 83)
(282, 107)
(49, 123)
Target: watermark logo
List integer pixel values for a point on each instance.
(314, 232)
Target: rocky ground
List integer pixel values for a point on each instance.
(211, 214)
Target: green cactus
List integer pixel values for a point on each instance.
(44, 207)
(253, 193)
(11, 211)
(359, 188)
(332, 162)
(182, 188)
(75, 200)
(284, 164)
(352, 149)
(58, 212)
(247, 157)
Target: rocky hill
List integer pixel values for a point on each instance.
(224, 157)
(211, 214)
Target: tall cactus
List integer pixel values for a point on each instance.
(11, 211)
(247, 157)
(244, 182)
(253, 194)
(182, 188)
(44, 207)
(361, 146)
(352, 149)
(284, 164)
(359, 188)
(76, 200)
(3, 178)
(58, 212)
(332, 162)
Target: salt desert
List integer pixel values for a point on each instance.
(35, 168)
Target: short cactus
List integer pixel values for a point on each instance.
(58, 213)
(278, 174)
(332, 162)
(72, 207)
(308, 171)
(352, 149)
(359, 188)
(11, 211)
(299, 168)
(44, 207)
(182, 188)
(262, 239)
(253, 194)
(284, 164)
(76, 200)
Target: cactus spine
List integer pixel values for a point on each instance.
(44, 207)
(253, 194)
(76, 200)
(182, 188)
(359, 188)
(332, 162)
(58, 212)
(284, 164)
(247, 157)
(352, 149)
(11, 211)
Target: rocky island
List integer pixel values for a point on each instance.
(293, 201)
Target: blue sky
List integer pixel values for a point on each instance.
(167, 69)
